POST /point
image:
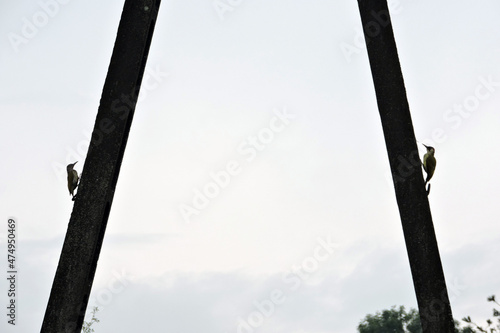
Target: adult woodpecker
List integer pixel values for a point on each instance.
(72, 179)
(429, 162)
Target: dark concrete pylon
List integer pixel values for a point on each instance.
(421, 244)
(82, 245)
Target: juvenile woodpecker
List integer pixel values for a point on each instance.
(429, 163)
(72, 179)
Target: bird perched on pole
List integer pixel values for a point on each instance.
(429, 164)
(72, 179)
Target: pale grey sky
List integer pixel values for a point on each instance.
(274, 100)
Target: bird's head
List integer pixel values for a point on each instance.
(429, 149)
(70, 166)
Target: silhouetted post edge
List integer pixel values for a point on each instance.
(416, 219)
(82, 245)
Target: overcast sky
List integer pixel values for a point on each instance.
(255, 191)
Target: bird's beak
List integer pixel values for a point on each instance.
(425, 146)
(75, 163)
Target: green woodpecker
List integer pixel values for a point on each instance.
(429, 163)
(72, 179)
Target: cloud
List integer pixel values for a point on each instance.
(220, 302)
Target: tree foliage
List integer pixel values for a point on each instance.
(394, 320)
(493, 326)
(87, 325)
(397, 320)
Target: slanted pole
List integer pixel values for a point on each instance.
(77, 265)
(421, 244)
